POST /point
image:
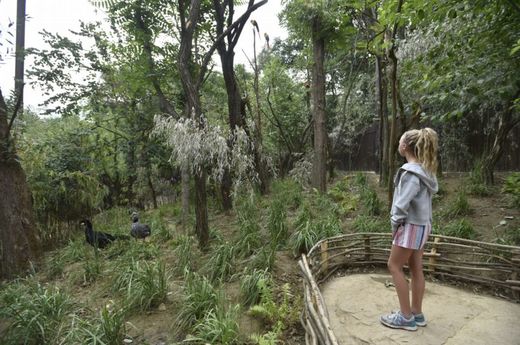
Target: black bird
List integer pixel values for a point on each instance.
(139, 230)
(96, 239)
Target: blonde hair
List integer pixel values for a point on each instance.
(425, 144)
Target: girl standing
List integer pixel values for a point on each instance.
(411, 218)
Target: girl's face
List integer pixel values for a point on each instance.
(402, 146)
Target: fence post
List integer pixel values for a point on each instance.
(325, 256)
(431, 260)
(367, 247)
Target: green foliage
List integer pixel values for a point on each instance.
(459, 228)
(342, 194)
(371, 202)
(364, 223)
(184, 253)
(314, 223)
(460, 206)
(277, 223)
(476, 184)
(91, 267)
(199, 298)
(112, 326)
(278, 313)
(37, 314)
(219, 326)
(143, 284)
(512, 187)
(222, 262)
(288, 191)
(251, 286)
(264, 259)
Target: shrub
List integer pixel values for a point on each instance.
(476, 184)
(288, 191)
(184, 253)
(371, 202)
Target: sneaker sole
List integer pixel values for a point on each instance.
(421, 324)
(407, 328)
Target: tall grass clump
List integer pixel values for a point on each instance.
(251, 286)
(263, 259)
(249, 238)
(91, 267)
(161, 232)
(144, 285)
(475, 183)
(37, 314)
(288, 191)
(512, 187)
(371, 202)
(459, 228)
(74, 251)
(342, 194)
(222, 262)
(460, 206)
(184, 253)
(198, 298)
(364, 223)
(277, 223)
(304, 236)
(108, 327)
(219, 326)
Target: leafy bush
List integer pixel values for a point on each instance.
(460, 228)
(512, 186)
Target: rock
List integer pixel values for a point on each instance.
(162, 307)
(503, 222)
(509, 217)
(128, 341)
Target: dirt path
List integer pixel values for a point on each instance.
(455, 316)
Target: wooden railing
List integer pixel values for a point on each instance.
(493, 265)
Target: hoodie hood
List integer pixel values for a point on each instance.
(430, 181)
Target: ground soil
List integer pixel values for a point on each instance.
(455, 316)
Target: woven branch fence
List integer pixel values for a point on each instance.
(489, 264)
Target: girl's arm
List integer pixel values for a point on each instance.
(407, 188)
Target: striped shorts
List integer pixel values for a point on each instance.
(411, 236)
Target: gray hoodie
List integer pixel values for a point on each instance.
(413, 192)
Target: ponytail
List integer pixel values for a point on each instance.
(425, 143)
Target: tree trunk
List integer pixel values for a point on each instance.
(201, 210)
(382, 92)
(19, 240)
(185, 183)
(505, 125)
(20, 52)
(319, 177)
(393, 125)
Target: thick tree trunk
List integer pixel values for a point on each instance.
(392, 150)
(19, 240)
(505, 125)
(319, 177)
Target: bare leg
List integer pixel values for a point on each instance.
(399, 256)
(418, 285)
